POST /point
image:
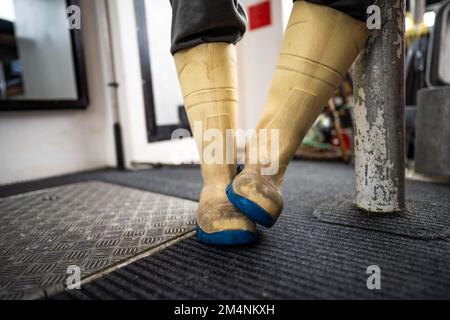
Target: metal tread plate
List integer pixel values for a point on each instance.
(92, 225)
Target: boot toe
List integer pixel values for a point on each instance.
(223, 224)
(226, 237)
(256, 197)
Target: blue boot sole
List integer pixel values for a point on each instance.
(250, 209)
(226, 238)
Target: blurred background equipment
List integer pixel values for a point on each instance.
(432, 148)
(427, 32)
(11, 82)
(331, 137)
(432, 132)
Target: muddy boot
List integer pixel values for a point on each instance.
(319, 46)
(208, 78)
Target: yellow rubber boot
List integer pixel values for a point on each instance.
(208, 78)
(319, 46)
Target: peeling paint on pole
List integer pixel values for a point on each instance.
(379, 96)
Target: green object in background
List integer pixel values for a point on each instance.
(314, 138)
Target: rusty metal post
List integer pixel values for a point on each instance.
(379, 114)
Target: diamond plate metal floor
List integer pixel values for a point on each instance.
(93, 225)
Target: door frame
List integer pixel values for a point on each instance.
(155, 132)
(141, 145)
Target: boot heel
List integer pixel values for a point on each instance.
(249, 208)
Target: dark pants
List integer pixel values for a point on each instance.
(201, 21)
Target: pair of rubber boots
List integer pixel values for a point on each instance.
(319, 46)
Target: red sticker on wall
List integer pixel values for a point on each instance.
(260, 15)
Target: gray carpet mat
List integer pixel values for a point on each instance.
(300, 257)
(422, 220)
(89, 225)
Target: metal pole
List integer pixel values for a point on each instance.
(379, 110)
(105, 24)
(418, 10)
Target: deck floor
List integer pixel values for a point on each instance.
(312, 252)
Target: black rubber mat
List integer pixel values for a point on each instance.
(422, 220)
(184, 182)
(300, 257)
(90, 225)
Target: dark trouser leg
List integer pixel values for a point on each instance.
(203, 21)
(355, 8)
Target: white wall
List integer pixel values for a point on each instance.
(257, 56)
(48, 143)
(167, 94)
(7, 11)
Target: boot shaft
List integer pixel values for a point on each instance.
(318, 48)
(208, 78)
